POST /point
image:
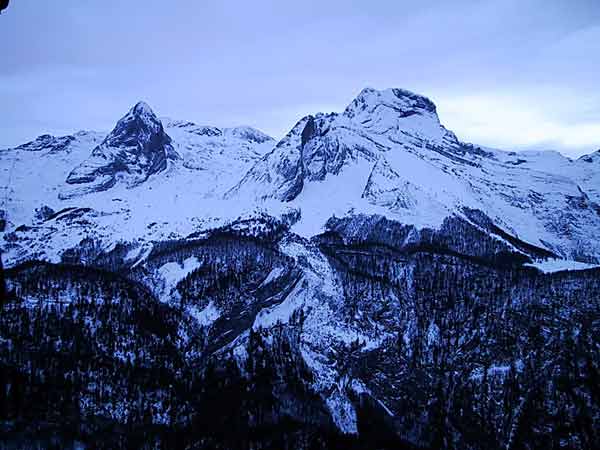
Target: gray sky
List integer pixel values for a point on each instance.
(505, 73)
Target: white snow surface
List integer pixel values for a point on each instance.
(172, 273)
(557, 265)
(206, 316)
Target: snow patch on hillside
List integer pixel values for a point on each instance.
(172, 272)
(557, 265)
(206, 316)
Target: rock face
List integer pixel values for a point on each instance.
(278, 174)
(324, 144)
(47, 142)
(137, 148)
(369, 281)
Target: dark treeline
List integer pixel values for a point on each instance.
(91, 358)
(485, 356)
(476, 353)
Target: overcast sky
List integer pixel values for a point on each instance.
(505, 73)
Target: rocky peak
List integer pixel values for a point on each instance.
(592, 157)
(140, 124)
(47, 142)
(398, 102)
(325, 144)
(136, 148)
(395, 113)
(142, 108)
(248, 134)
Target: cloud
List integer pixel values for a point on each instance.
(518, 123)
(264, 63)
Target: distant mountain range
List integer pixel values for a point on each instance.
(368, 281)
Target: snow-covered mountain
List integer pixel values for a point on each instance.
(142, 181)
(369, 271)
(388, 153)
(137, 148)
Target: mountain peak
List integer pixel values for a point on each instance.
(140, 113)
(135, 149)
(249, 134)
(404, 103)
(140, 122)
(594, 156)
(395, 112)
(142, 108)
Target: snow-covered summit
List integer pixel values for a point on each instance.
(138, 125)
(141, 108)
(249, 134)
(47, 142)
(244, 133)
(135, 149)
(147, 178)
(395, 111)
(404, 103)
(591, 158)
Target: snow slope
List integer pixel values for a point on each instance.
(386, 153)
(182, 197)
(388, 150)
